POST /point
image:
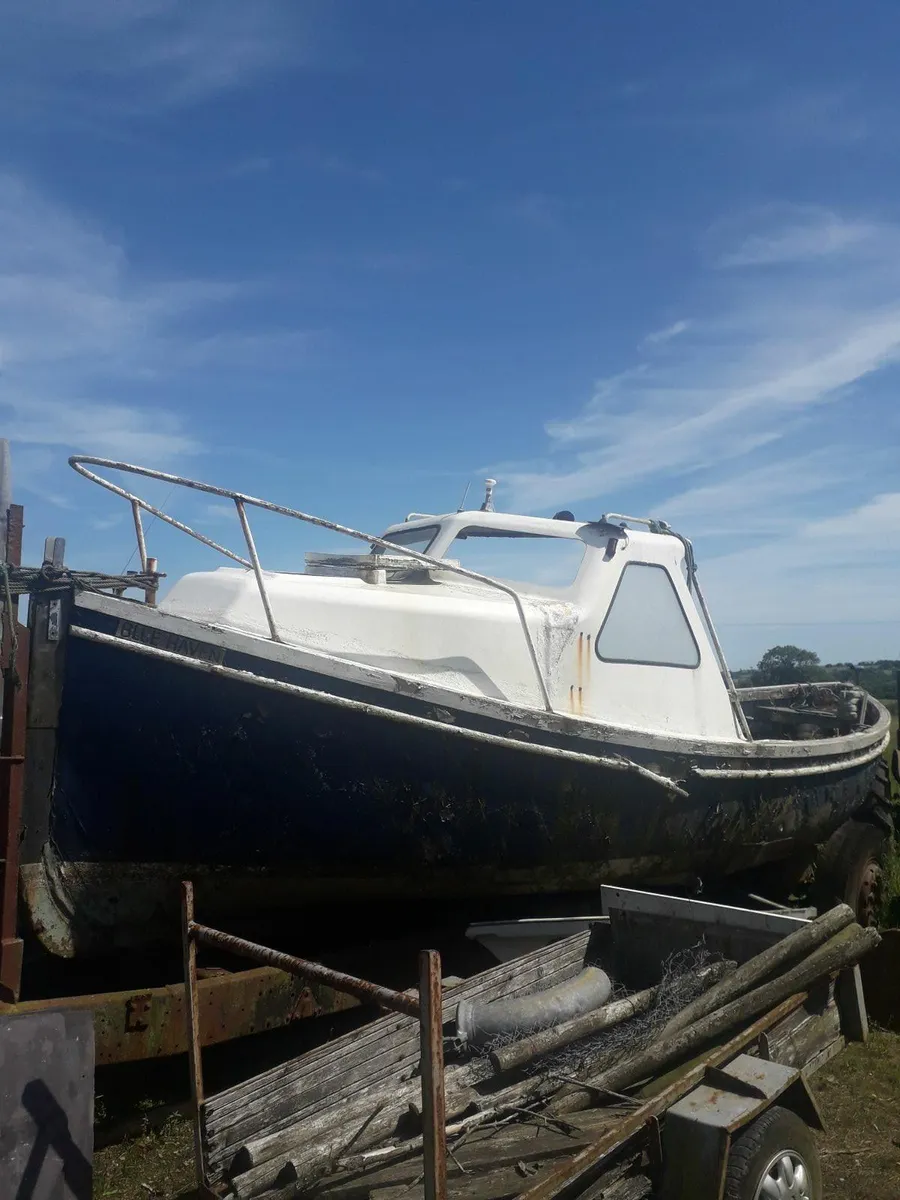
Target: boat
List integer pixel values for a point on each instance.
(479, 703)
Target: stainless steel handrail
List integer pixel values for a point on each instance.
(78, 461)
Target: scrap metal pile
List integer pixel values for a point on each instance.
(524, 1088)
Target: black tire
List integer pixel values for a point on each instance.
(761, 1144)
(850, 868)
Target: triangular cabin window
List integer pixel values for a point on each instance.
(646, 622)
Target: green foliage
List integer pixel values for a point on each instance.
(788, 664)
(791, 664)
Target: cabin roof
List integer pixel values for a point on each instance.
(490, 520)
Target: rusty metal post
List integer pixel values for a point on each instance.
(12, 767)
(431, 1035)
(192, 1020)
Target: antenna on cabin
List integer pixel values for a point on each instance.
(462, 503)
(487, 505)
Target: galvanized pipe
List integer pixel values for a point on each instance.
(139, 534)
(257, 569)
(365, 992)
(403, 718)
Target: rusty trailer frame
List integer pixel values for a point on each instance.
(427, 1006)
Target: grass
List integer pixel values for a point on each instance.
(157, 1165)
(859, 1096)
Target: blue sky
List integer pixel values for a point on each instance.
(351, 256)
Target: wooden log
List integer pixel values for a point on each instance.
(846, 948)
(497, 1148)
(304, 1153)
(479, 1132)
(795, 946)
(519, 1053)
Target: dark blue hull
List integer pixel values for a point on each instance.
(273, 799)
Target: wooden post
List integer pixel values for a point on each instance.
(192, 1019)
(434, 1117)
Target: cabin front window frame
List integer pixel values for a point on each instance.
(646, 662)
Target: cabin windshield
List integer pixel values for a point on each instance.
(413, 539)
(519, 556)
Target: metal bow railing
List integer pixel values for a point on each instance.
(81, 462)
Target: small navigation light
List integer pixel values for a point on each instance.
(488, 502)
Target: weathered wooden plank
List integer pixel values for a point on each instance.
(224, 1141)
(826, 1054)
(544, 966)
(795, 1047)
(854, 1019)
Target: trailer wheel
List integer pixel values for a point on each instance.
(850, 869)
(774, 1158)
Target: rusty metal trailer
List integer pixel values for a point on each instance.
(735, 1121)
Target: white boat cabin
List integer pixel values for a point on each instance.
(616, 629)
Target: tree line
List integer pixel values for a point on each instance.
(793, 664)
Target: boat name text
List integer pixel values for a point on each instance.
(162, 639)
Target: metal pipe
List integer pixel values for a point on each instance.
(150, 593)
(77, 460)
(739, 714)
(482, 1023)
(794, 772)
(367, 993)
(476, 735)
(139, 534)
(257, 569)
(434, 1109)
(150, 508)
(192, 1022)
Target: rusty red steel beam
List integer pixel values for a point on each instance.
(12, 769)
(571, 1174)
(362, 989)
(135, 1025)
(434, 1109)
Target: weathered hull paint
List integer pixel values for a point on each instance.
(270, 800)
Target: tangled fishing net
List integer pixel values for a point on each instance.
(680, 983)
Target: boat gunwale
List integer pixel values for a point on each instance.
(412, 688)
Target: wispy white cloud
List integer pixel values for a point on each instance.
(660, 336)
(761, 352)
(142, 54)
(801, 234)
(78, 323)
(761, 500)
(838, 568)
(70, 316)
(219, 511)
